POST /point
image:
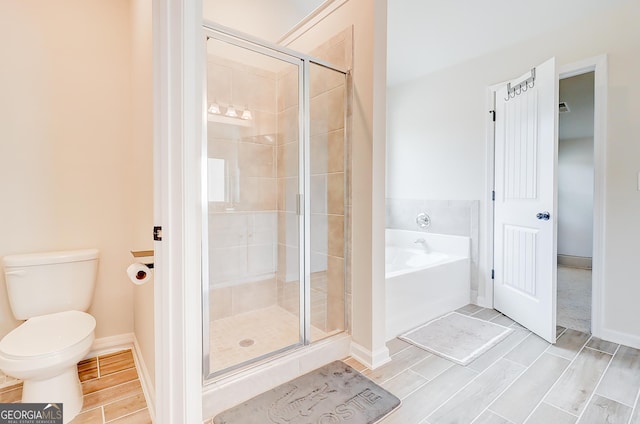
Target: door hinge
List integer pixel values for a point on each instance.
(493, 195)
(493, 115)
(492, 275)
(157, 233)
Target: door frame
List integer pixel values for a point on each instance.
(597, 64)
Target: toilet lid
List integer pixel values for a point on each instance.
(47, 334)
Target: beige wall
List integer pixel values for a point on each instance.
(437, 135)
(66, 142)
(142, 171)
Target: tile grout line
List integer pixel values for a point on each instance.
(417, 388)
(127, 415)
(437, 375)
(117, 400)
(403, 370)
(494, 413)
(475, 378)
(571, 361)
(114, 373)
(601, 351)
(635, 407)
(557, 380)
(564, 331)
(488, 408)
(586, 405)
(401, 350)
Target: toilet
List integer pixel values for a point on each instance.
(51, 291)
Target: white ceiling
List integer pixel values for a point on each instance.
(423, 36)
(429, 35)
(265, 19)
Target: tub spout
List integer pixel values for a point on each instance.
(423, 242)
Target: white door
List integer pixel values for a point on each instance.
(525, 200)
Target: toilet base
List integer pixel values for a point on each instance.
(64, 388)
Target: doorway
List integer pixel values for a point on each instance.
(575, 201)
(597, 66)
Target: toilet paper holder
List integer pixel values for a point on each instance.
(143, 254)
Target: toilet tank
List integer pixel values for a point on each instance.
(49, 282)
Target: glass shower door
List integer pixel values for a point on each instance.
(255, 297)
(275, 245)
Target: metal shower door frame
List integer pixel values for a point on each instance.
(303, 62)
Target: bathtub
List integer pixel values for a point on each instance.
(424, 280)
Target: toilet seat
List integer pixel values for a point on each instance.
(47, 335)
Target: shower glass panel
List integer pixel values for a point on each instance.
(253, 223)
(327, 191)
(275, 184)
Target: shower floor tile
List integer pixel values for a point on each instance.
(239, 338)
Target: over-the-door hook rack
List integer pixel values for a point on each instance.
(517, 89)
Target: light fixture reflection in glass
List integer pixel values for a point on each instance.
(246, 115)
(231, 112)
(214, 108)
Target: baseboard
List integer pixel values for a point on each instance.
(371, 360)
(482, 301)
(620, 338)
(145, 379)
(582, 262)
(110, 344)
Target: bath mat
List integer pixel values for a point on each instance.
(331, 394)
(457, 337)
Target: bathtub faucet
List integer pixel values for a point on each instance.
(423, 242)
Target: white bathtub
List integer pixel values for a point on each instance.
(424, 280)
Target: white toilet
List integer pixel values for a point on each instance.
(50, 291)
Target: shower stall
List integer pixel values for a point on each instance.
(276, 194)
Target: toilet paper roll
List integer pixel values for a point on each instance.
(139, 273)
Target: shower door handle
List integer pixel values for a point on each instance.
(543, 215)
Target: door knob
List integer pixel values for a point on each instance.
(543, 215)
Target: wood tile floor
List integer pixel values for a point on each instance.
(111, 387)
(523, 379)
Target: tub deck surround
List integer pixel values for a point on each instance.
(450, 217)
(424, 280)
(111, 388)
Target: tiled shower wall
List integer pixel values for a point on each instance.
(452, 217)
(327, 180)
(254, 256)
(329, 183)
(243, 227)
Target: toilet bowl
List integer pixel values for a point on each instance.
(44, 352)
(50, 291)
